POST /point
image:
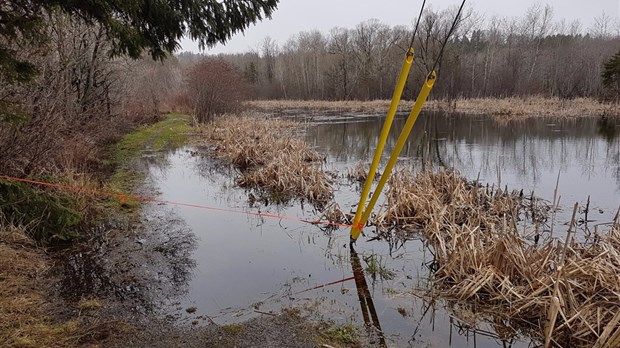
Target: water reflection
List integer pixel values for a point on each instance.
(371, 319)
(245, 263)
(525, 154)
(607, 128)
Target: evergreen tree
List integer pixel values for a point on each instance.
(611, 77)
(251, 73)
(133, 26)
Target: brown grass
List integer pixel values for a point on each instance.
(22, 299)
(26, 306)
(270, 158)
(534, 106)
(481, 259)
(359, 173)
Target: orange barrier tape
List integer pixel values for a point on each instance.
(327, 284)
(123, 198)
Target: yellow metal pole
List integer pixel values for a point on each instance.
(400, 143)
(398, 91)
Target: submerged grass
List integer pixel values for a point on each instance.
(567, 292)
(346, 335)
(270, 158)
(534, 106)
(167, 134)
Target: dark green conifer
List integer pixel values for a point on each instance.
(611, 78)
(134, 26)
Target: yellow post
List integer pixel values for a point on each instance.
(398, 91)
(400, 143)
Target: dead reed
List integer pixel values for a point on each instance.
(270, 158)
(359, 173)
(367, 106)
(534, 106)
(568, 292)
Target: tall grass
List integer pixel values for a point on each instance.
(501, 107)
(482, 260)
(270, 158)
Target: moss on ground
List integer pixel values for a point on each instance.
(167, 134)
(340, 336)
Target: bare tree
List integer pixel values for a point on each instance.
(341, 47)
(74, 106)
(499, 57)
(536, 26)
(603, 26)
(214, 87)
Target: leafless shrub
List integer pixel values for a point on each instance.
(214, 87)
(80, 101)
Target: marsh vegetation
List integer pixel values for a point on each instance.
(471, 224)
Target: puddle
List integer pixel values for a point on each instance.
(135, 265)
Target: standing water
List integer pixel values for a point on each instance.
(248, 265)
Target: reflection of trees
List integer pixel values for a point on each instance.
(371, 319)
(144, 272)
(607, 128)
(479, 145)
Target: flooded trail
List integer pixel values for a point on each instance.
(246, 266)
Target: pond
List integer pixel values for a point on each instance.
(248, 265)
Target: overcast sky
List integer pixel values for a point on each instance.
(293, 16)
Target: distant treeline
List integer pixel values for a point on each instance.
(531, 55)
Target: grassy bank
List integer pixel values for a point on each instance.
(27, 307)
(171, 132)
(25, 322)
(502, 107)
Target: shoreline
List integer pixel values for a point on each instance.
(32, 277)
(505, 108)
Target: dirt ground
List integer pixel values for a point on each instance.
(286, 329)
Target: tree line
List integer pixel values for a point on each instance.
(496, 57)
(71, 83)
